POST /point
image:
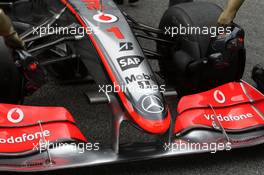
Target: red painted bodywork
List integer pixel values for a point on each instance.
(52, 124)
(242, 109)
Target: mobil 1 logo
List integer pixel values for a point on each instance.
(129, 62)
(143, 80)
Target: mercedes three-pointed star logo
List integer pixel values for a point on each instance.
(152, 104)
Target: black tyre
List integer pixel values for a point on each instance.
(11, 83)
(187, 47)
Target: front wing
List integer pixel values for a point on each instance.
(59, 144)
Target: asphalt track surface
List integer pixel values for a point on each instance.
(95, 120)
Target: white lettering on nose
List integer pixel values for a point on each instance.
(229, 118)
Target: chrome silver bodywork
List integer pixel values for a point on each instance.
(137, 80)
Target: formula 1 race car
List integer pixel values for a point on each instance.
(78, 40)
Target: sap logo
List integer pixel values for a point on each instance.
(126, 46)
(129, 62)
(134, 78)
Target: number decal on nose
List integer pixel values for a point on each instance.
(116, 31)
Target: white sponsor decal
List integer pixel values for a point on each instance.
(152, 104)
(139, 77)
(219, 96)
(129, 62)
(15, 111)
(228, 118)
(105, 18)
(25, 137)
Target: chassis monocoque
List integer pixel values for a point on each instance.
(215, 109)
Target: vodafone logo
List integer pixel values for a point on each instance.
(25, 137)
(105, 18)
(229, 118)
(15, 115)
(219, 96)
